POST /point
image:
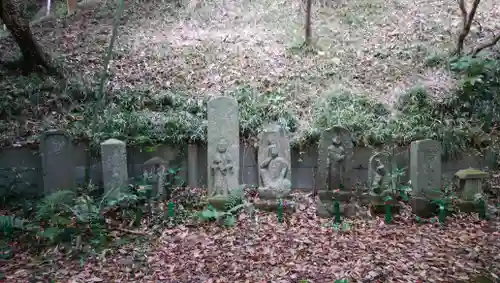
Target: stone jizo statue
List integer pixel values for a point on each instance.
(274, 171)
(336, 163)
(221, 167)
(380, 174)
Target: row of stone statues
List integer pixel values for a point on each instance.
(334, 161)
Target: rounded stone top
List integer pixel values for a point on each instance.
(113, 141)
(471, 173)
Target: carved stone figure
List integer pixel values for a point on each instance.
(380, 173)
(274, 171)
(155, 171)
(221, 167)
(336, 164)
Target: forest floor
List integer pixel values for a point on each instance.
(302, 247)
(372, 48)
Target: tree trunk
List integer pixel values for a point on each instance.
(307, 26)
(34, 58)
(71, 6)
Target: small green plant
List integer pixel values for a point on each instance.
(387, 208)
(225, 218)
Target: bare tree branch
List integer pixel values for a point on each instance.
(307, 26)
(467, 19)
(485, 45)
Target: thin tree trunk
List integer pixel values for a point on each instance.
(33, 57)
(467, 18)
(307, 26)
(71, 6)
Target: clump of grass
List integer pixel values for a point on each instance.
(365, 118)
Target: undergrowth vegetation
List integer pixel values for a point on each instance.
(468, 117)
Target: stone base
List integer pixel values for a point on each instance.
(380, 208)
(270, 194)
(326, 209)
(468, 206)
(272, 205)
(422, 207)
(365, 199)
(342, 196)
(218, 202)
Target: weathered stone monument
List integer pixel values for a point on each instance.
(56, 149)
(114, 164)
(223, 152)
(274, 166)
(379, 178)
(155, 173)
(425, 175)
(470, 185)
(333, 179)
(274, 163)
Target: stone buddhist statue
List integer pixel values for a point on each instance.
(274, 173)
(379, 176)
(221, 167)
(336, 164)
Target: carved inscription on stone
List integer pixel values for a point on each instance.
(425, 166)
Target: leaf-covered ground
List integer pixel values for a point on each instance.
(303, 247)
(369, 47)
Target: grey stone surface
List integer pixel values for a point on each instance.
(470, 183)
(335, 152)
(193, 165)
(56, 150)
(114, 164)
(425, 167)
(274, 163)
(379, 171)
(223, 153)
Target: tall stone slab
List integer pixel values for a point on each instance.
(274, 160)
(56, 150)
(114, 164)
(334, 176)
(425, 167)
(425, 175)
(223, 152)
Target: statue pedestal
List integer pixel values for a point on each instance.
(272, 205)
(324, 206)
(326, 209)
(218, 201)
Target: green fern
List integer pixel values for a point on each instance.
(53, 204)
(235, 198)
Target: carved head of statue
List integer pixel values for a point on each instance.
(273, 149)
(336, 141)
(222, 146)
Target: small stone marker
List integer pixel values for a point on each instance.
(425, 166)
(470, 183)
(114, 164)
(274, 163)
(223, 152)
(56, 150)
(335, 152)
(425, 175)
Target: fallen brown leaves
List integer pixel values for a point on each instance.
(299, 249)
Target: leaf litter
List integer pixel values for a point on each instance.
(302, 248)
